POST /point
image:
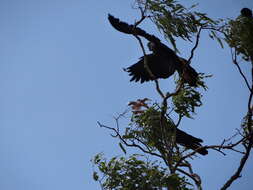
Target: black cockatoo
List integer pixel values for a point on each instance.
(246, 12)
(157, 131)
(189, 141)
(162, 62)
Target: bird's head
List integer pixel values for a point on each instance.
(151, 46)
(246, 12)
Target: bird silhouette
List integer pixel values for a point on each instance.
(162, 62)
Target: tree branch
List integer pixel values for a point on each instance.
(195, 46)
(126, 143)
(248, 146)
(234, 59)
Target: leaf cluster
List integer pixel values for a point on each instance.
(188, 98)
(247, 127)
(132, 173)
(174, 20)
(239, 35)
(148, 128)
(186, 101)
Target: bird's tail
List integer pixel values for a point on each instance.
(190, 142)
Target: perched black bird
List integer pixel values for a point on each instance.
(246, 12)
(153, 124)
(162, 62)
(189, 141)
(182, 138)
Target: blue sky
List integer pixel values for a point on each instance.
(61, 72)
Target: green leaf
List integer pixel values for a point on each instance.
(122, 148)
(95, 176)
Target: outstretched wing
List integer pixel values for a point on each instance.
(138, 72)
(160, 68)
(131, 29)
(158, 64)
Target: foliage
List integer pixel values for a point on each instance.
(188, 98)
(247, 127)
(174, 20)
(146, 127)
(239, 35)
(186, 101)
(151, 128)
(122, 173)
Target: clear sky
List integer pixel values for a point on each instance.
(61, 72)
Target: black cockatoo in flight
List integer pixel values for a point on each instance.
(162, 62)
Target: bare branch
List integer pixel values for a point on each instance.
(214, 147)
(196, 181)
(195, 46)
(237, 174)
(128, 144)
(249, 138)
(234, 58)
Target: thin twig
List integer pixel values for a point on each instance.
(190, 176)
(234, 59)
(237, 174)
(214, 147)
(195, 46)
(126, 143)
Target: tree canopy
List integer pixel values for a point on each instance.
(163, 159)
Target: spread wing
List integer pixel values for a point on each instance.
(159, 67)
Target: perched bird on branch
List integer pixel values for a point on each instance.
(190, 142)
(162, 62)
(152, 123)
